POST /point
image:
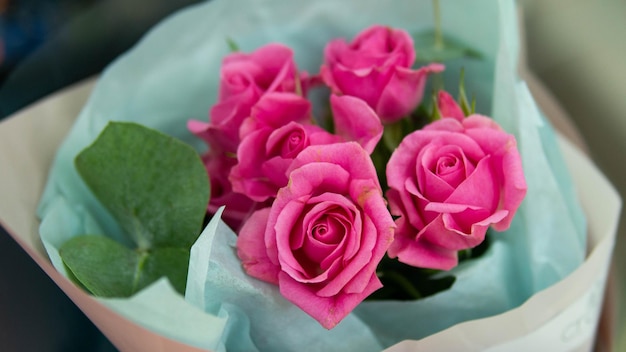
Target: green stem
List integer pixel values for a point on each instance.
(438, 33)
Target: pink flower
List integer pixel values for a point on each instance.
(448, 107)
(376, 67)
(274, 110)
(324, 235)
(238, 206)
(448, 183)
(244, 79)
(277, 131)
(279, 128)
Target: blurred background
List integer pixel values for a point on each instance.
(575, 47)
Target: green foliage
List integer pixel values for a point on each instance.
(108, 269)
(157, 188)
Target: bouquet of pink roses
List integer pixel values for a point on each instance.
(309, 201)
(363, 195)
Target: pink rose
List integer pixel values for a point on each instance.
(448, 183)
(324, 235)
(274, 110)
(238, 206)
(244, 79)
(376, 67)
(279, 128)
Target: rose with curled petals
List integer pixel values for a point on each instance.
(376, 67)
(280, 128)
(244, 79)
(265, 155)
(450, 182)
(325, 233)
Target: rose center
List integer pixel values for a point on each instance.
(446, 165)
(293, 144)
(288, 141)
(328, 231)
(450, 169)
(320, 230)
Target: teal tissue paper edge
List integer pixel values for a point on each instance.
(171, 76)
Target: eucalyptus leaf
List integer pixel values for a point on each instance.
(169, 262)
(157, 188)
(103, 266)
(108, 269)
(428, 50)
(154, 185)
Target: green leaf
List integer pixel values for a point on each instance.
(435, 113)
(169, 262)
(232, 45)
(154, 185)
(157, 188)
(103, 266)
(108, 269)
(463, 102)
(428, 50)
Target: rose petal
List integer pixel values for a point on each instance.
(442, 233)
(422, 254)
(349, 156)
(272, 65)
(198, 128)
(328, 311)
(251, 248)
(275, 171)
(507, 165)
(247, 177)
(365, 84)
(448, 107)
(460, 222)
(402, 162)
(514, 188)
(238, 77)
(280, 237)
(403, 92)
(287, 141)
(403, 206)
(431, 185)
(226, 118)
(480, 189)
(356, 121)
(274, 110)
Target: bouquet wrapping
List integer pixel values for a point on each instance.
(540, 281)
